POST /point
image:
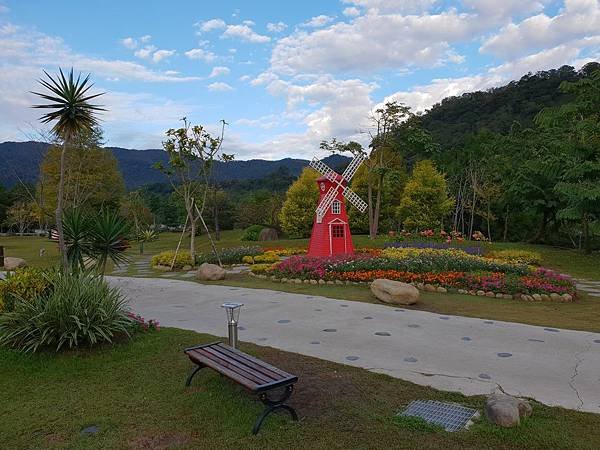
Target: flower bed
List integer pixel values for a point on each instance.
(431, 269)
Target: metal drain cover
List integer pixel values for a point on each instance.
(451, 416)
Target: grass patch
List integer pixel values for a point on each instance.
(134, 392)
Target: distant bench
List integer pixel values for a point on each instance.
(255, 375)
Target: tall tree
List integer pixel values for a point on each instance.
(576, 127)
(425, 201)
(192, 151)
(72, 115)
(92, 177)
(298, 211)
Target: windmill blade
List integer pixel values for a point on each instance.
(353, 198)
(323, 169)
(353, 167)
(326, 203)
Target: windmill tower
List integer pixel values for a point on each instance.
(331, 230)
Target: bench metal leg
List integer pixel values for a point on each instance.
(274, 405)
(194, 371)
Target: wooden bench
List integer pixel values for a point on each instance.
(255, 375)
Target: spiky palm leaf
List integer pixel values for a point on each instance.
(69, 100)
(109, 235)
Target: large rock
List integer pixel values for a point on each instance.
(396, 292)
(210, 272)
(11, 263)
(268, 234)
(506, 411)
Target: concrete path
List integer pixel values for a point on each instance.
(592, 288)
(473, 356)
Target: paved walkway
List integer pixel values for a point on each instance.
(473, 356)
(592, 288)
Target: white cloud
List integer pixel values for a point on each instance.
(4, 9)
(218, 71)
(245, 33)
(318, 21)
(129, 43)
(276, 27)
(393, 6)
(159, 55)
(8, 28)
(578, 19)
(27, 48)
(351, 11)
(212, 24)
(145, 39)
(219, 86)
(374, 42)
(505, 8)
(264, 78)
(145, 52)
(200, 53)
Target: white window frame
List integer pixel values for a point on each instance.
(336, 207)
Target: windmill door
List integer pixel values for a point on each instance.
(338, 236)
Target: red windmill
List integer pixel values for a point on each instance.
(331, 231)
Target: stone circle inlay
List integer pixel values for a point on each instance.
(315, 342)
(352, 358)
(504, 355)
(484, 376)
(382, 333)
(466, 338)
(329, 330)
(410, 359)
(367, 317)
(284, 321)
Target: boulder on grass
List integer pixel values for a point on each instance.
(268, 234)
(506, 411)
(210, 272)
(395, 292)
(11, 263)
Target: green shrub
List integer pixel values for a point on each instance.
(80, 310)
(517, 256)
(251, 233)
(166, 258)
(234, 255)
(23, 285)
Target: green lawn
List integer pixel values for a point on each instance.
(135, 394)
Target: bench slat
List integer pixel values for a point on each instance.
(256, 361)
(255, 366)
(259, 375)
(200, 359)
(252, 373)
(239, 375)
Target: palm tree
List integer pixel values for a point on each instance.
(73, 115)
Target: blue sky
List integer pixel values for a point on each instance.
(284, 75)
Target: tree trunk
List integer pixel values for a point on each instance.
(585, 228)
(505, 232)
(370, 210)
(489, 236)
(541, 232)
(377, 207)
(58, 213)
(216, 218)
(193, 239)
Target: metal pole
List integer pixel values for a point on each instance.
(232, 330)
(1, 256)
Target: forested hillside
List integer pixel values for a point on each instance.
(455, 118)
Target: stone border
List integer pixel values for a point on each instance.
(429, 288)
